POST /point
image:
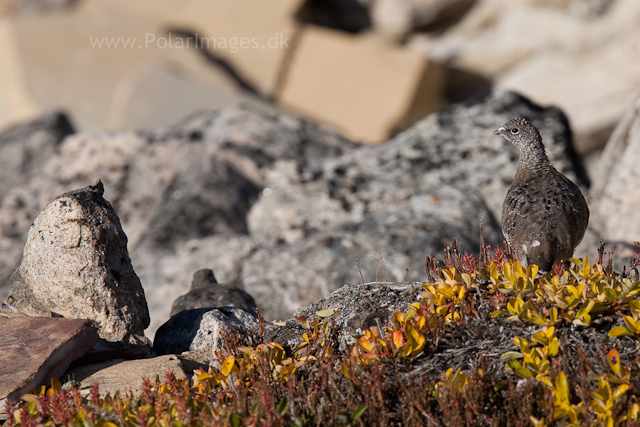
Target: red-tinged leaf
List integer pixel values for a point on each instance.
(365, 344)
(398, 338)
(420, 321)
(369, 357)
(614, 361)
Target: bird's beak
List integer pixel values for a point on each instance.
(501, 131)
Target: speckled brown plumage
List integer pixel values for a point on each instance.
(207, 292)
(544, 215)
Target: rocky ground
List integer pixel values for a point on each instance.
(289, 210)
(282, 208)
(276, 205)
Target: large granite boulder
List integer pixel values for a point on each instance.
(76, 265)
(615, 196)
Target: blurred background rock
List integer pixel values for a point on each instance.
(366, 69)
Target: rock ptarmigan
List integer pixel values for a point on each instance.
(544, 215)
(207, 292)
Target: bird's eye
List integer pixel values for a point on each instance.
(515, 130)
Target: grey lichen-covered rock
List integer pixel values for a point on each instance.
(210, 328)
(357, 308)
(26, 147)
(615, 193)
(76, 265)
(207, 292)
(390, 205)
(24, 150)
(450, 151)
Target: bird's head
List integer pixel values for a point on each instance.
(203, 278)
(519, 132)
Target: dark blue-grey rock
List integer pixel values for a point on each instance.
(206, 328)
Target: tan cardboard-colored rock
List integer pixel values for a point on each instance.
(119, 375)
(253, 37)
(365, 88)
(16, 102)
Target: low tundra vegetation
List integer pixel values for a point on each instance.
(566, 347)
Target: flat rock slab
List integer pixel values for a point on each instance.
(119, 375)
(34, 349)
